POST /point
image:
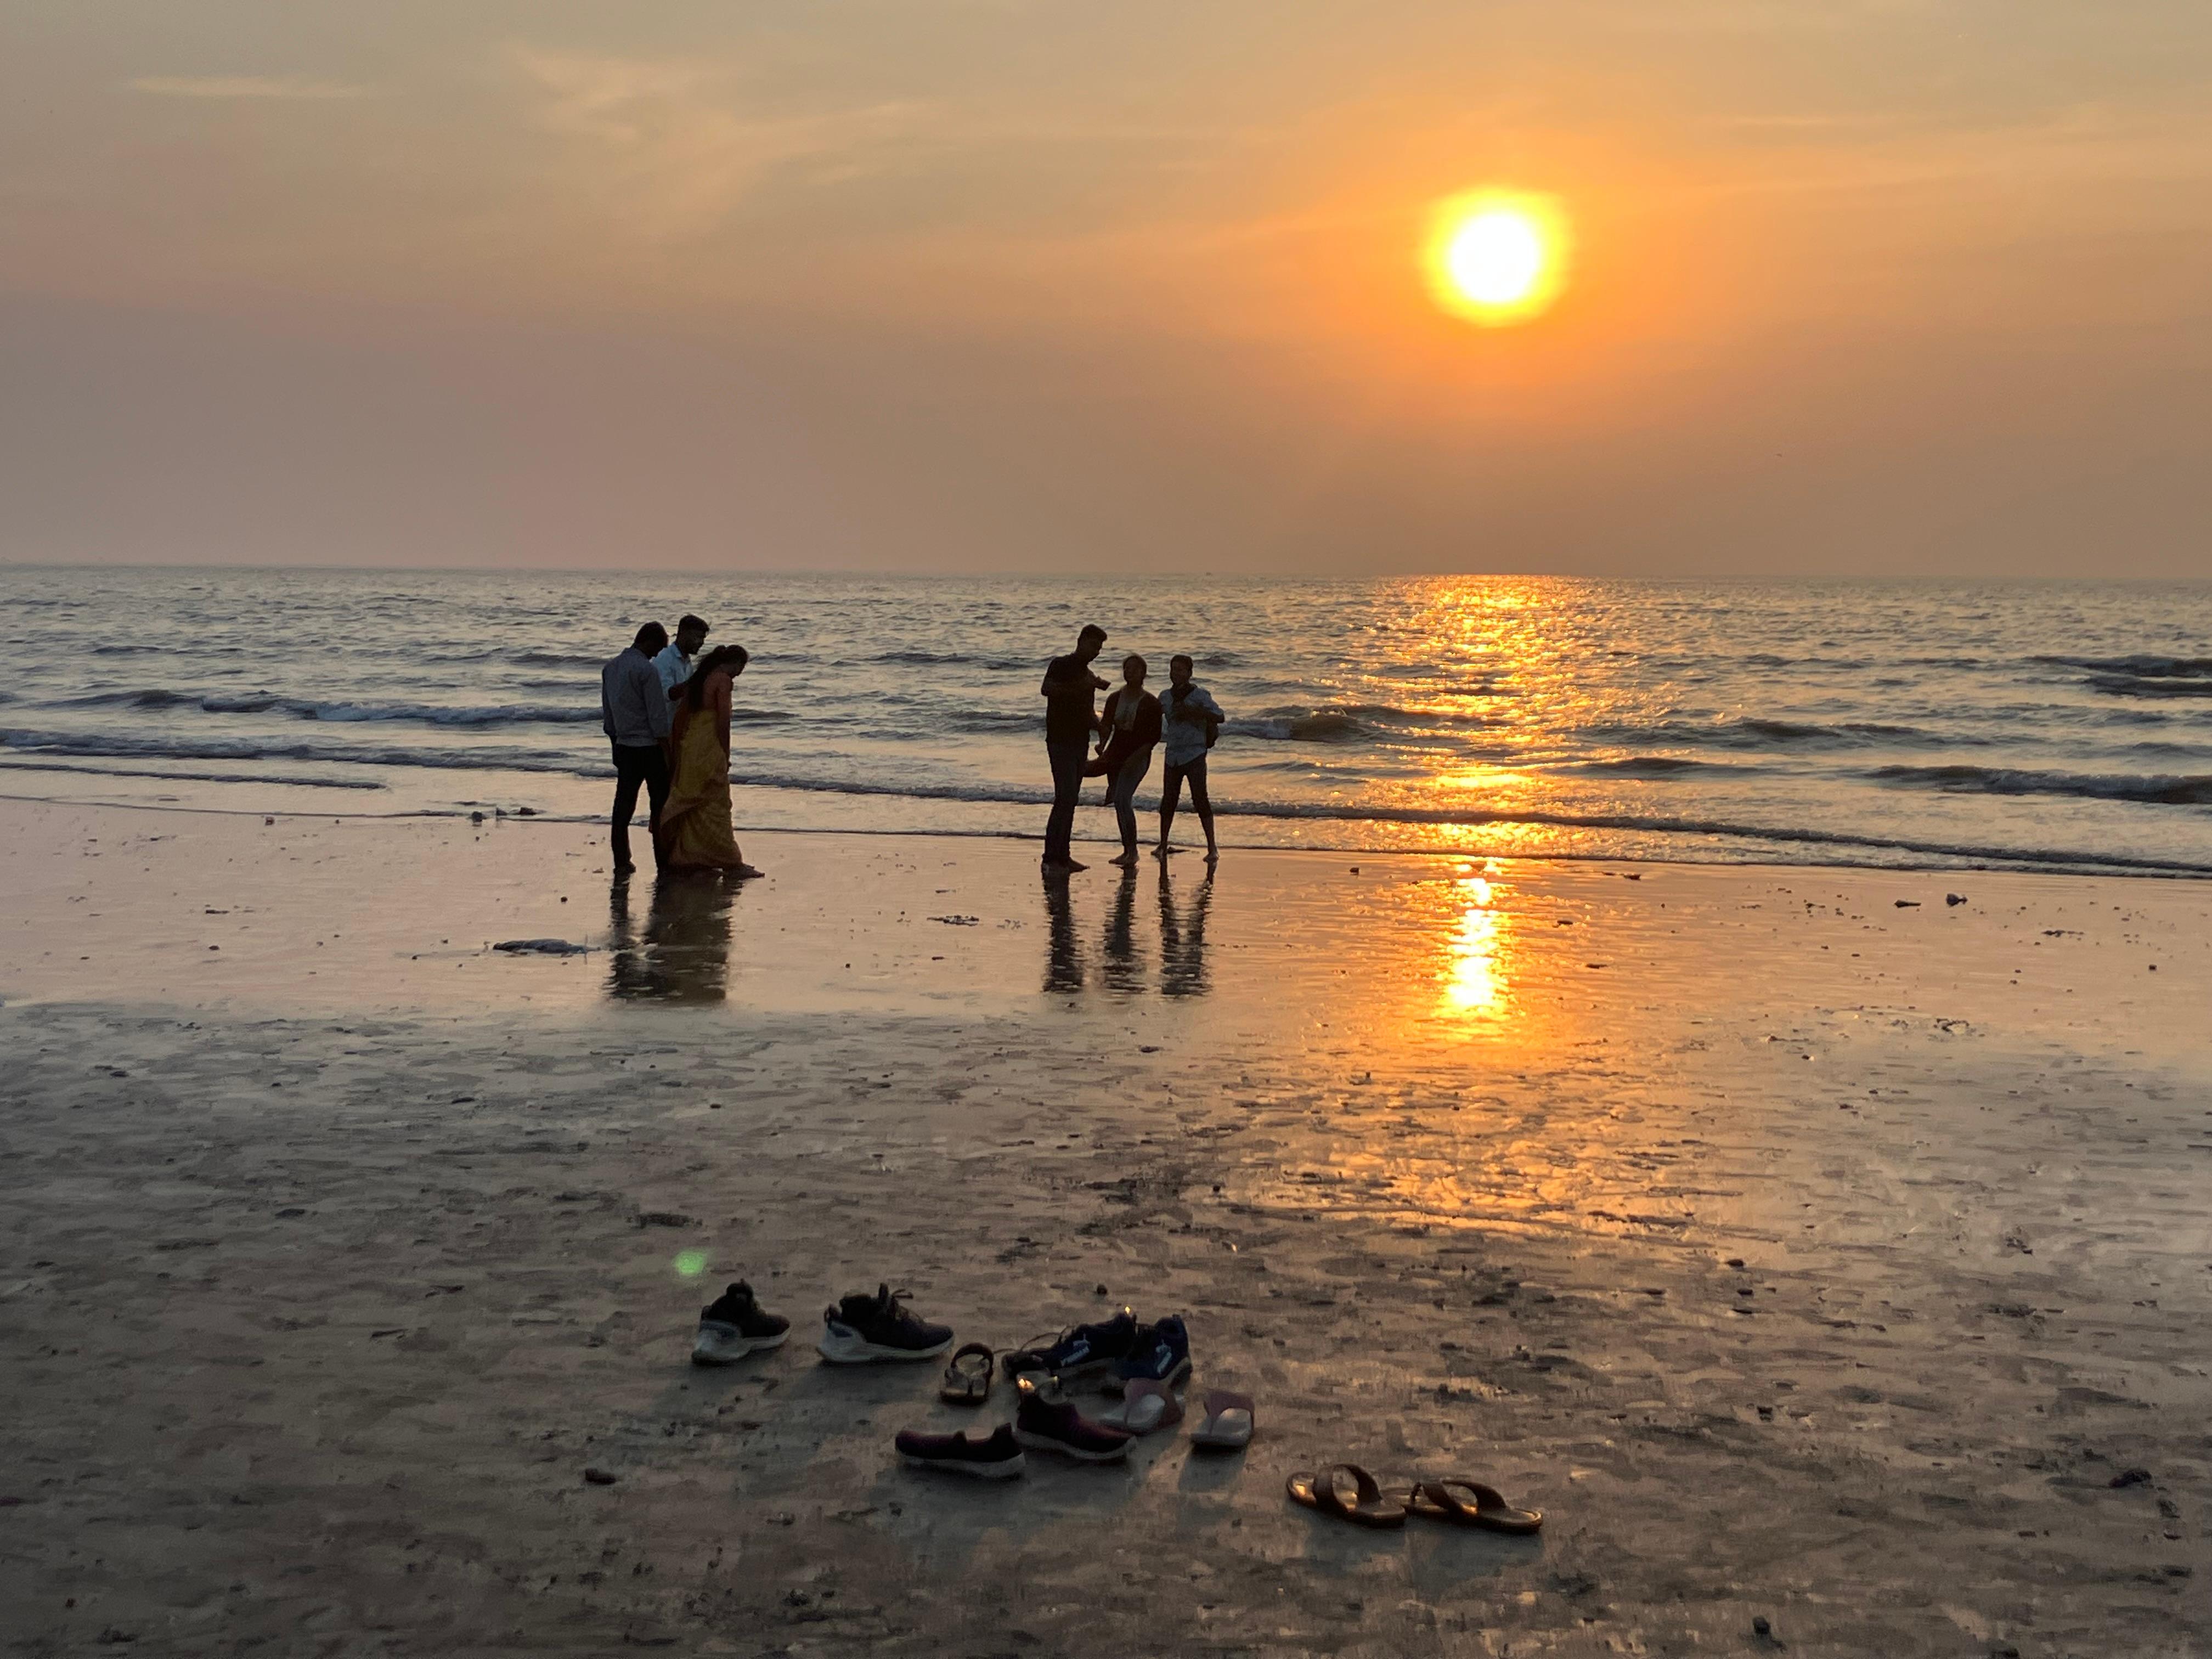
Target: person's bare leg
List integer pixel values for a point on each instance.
(1125, 811)
(1170, 790)
(1203, 804)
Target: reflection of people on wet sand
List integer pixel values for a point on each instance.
(1190, 721)
(1119, 967)
(1069, 719)
(696, 831)
(1183, 939)
(684, 955)
(1063, 962)
(1129, 731)
(633, 710)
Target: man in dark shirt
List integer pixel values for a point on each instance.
(1069, 717)
(634, 711)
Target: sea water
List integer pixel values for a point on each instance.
(2028, 724)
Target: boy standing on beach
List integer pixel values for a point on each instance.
(1192, 721)
(674, 662)
(1070, 718)
(634, 713)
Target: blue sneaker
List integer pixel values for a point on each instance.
(1159, 1353)
(1085, 1351)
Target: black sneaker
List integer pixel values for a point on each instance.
(862, 1328)
(998, 1456)
(1160, 1353)
(1044, 1423)
(1087, 1351)
(734, 1324)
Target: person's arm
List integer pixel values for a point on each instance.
(1103, 724)
(722, 689)
(1148, 721)
(606, 706)
(657, 709)
(1214, 718)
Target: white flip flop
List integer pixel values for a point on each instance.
(1228, 1422)
(1145, 1405)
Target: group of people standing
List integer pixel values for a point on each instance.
(665, 705)
(1186, 722)
(665, 708)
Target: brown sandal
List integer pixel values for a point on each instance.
(1325, 1492)
(967, 1383)
(1440, 1500)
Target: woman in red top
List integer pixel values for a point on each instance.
(1129, 731)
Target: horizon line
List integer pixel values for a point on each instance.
(943, 574)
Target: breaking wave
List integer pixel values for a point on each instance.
(2154, 790)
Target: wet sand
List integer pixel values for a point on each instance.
(1805, 1257)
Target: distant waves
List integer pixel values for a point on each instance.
(2034, 724)
(344, 713)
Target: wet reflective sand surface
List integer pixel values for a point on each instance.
(1807, 1247)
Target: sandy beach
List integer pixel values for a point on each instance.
(1811, 1248)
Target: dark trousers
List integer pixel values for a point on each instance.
(1068, 755)
(1172, 782)
(635, 764)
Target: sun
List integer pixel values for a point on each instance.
(1497, 258)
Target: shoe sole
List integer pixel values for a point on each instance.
(729, 1354)
(1045, 1443)
(1180, 1375)
(1005, 1469)
(858, 1350)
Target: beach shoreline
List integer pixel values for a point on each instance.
(342, 1249)
(1884, 724)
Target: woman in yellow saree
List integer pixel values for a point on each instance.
(694, 824)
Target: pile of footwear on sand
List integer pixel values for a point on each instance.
(1143, 1362)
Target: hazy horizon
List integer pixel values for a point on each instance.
(1679, 579)
(1861, 288)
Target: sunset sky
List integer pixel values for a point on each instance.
(1878, 287)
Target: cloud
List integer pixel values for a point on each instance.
(676, 149)
(282, 88)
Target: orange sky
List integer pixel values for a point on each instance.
(1878, 287)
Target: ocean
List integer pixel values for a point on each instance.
(2037, 726)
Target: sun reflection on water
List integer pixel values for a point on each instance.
(1477, 954)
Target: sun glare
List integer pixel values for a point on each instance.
(1495, 258)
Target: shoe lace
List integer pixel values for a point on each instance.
(891, 1309)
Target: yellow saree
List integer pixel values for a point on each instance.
(694, 824)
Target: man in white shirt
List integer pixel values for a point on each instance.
(675, 662)
(1190, 720)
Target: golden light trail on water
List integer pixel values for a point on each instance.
(1497, 257)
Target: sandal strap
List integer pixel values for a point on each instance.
(1363, 1487)
(1486, 1498)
